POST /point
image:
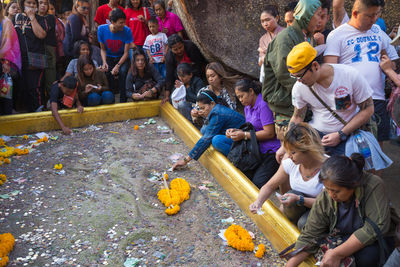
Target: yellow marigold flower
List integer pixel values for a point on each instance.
(136, 127)
(168, 199)
(182, 186)
(260, 251)
(58, 166)
(172, 210)
(7, 160)
(166, 176)
(6, 245)
(25, 137)
(239, 238)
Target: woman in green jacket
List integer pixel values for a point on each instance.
(349, 198)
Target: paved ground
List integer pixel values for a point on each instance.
(391, 175)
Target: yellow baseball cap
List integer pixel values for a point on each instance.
(300, 56)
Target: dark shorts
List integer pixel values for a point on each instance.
(382, 120)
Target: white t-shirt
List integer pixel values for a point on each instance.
(156, 44)
(310, 188)
(361, 50)
(348, 88)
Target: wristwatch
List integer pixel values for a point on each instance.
(342, 135)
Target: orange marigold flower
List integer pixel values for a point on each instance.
(260, 251)
(25, 137)
(136, 127)
(239, 238)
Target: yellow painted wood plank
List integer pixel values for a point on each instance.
(44, 121)
(275, 226)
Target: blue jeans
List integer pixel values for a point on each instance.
(222, 144)
(160, 67)
(394, 259)
(117, 83)
(95, 99)
(340, 149)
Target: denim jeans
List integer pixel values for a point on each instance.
(222, 144)
(117, 82)
(95, 99)
(160, 67)
(340, 149)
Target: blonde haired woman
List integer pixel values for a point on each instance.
(300, 170)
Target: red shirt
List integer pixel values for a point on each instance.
(185, 59)
(102, 14)
(139, 29)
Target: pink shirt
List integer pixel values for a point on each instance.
(171, 22)
(265, 40)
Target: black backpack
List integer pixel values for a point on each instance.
(245, 154)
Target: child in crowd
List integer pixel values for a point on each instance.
(12, 9)
(156, 46)
(93, 84)
(64, 94)
(192, 84)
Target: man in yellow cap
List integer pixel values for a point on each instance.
(341, 87)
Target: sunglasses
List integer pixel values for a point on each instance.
(304, 73)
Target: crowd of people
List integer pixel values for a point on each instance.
(318, 87)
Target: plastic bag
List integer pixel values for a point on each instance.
(178, 95)
(6, 85)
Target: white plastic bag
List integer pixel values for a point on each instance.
(178, 95)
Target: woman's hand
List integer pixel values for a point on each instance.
(30, 12)
(137, 96)
(393, 33)
(115, 70)
(141, 18)
(194, 113)
(178, 83)
(237, 135)
(148, 94)
(288, 199)
(255, 206)
(88, 88)
(79, 109)
(386, 63)
(330, 259)
(179, 163)
(66, 130)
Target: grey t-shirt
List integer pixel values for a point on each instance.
(72, 66)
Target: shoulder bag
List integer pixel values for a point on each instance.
(245, 154)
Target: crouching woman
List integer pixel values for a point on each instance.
(300, 171)
(352, 202)
(218, 119)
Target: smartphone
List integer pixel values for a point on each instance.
(280, 196)
(95, 87)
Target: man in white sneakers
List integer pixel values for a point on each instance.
(339, 86)
(360, 44)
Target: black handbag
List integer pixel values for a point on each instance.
(245, 154)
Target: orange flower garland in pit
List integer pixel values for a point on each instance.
(6, 245)
(42, 140)
(171, 198)
(3, 179)
(239, 238)
(20, 152)
(260, 251)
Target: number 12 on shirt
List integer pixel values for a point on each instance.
(372, 52)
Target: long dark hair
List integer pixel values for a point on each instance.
(244, 85)
(134, 70)
(343, 171)
(206, 97)
(82, 61)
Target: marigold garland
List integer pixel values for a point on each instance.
(171, 198)
(6, 245)
(20, 152)
(25, 137)
(3, 179)
(58, 166)
(260, 251)
(42, 140)
(239, 238)
(7, 152)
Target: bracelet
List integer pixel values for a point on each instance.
(300, 202)
(186, 160)
(245, 136)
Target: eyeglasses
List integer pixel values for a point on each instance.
(304, 73)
